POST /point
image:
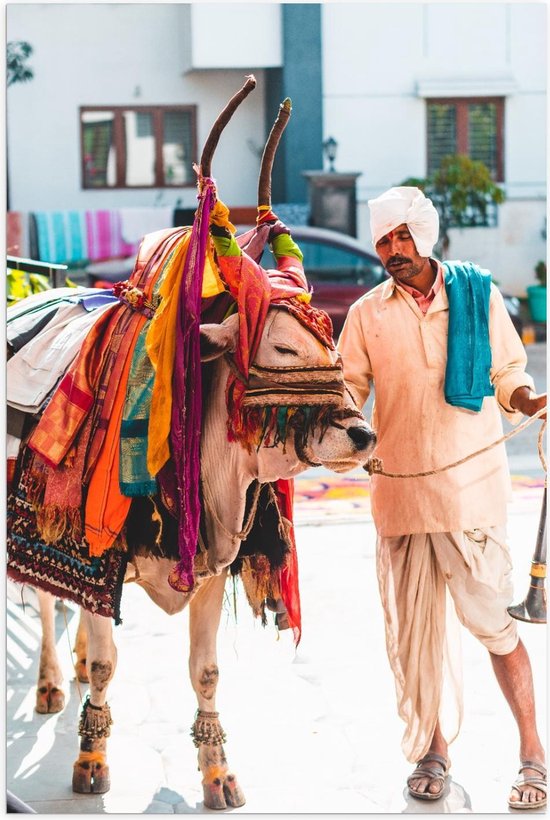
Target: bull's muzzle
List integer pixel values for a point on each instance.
(362, 437)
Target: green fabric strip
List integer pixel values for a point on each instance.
(226, 246)
(284, 245)
(134, 477)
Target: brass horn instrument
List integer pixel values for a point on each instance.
(533, 608)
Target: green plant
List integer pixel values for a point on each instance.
(18, 52)
(540, 273)
(462, 191)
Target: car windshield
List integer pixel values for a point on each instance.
(329, 263)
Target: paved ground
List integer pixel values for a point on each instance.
(309, 731)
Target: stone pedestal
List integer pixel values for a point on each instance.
(332, 200)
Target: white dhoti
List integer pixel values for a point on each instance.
(416, 575)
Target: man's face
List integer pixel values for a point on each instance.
(398, 254)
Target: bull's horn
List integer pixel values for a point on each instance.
(221, 122)
(264, 183)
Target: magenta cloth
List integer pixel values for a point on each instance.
(104, 233)
(185, 429)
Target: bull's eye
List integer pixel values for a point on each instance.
(285, 350)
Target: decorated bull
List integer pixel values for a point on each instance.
(165, 453)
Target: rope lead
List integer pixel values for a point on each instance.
(375, 465)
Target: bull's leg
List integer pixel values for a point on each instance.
(91, 772)
(49, 695)
(80, 650)
(219, 784)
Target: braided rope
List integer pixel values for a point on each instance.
(375, 466)
(210, 507)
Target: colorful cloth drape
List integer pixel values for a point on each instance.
(161, 344)
(186, 390)
(106, 506)
(135, 478)
(290, 591)
(74, 397)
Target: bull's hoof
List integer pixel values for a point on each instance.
(213, 795)
(234, 795)
(80, 671)
(91, 778)
(49, 699)
(221, 794)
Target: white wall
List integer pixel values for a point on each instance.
(115, 54)
(378, 59)
(235, 35)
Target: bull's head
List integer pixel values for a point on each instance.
(293, 410)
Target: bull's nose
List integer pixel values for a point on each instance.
(362, 437)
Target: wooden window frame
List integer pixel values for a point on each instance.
(461, 107)
(119, 141)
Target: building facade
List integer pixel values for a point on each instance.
(123, 96)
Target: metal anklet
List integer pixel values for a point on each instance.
(95, 721)
(207, 729)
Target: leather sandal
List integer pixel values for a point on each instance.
(538, 783)
(433, 774)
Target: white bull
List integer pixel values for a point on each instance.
(227, 470)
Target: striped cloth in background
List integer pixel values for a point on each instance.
(17, 234)
(104, 235)
(61, 236)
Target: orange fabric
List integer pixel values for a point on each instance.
(106, 507)
(161, 347)
(74, 397)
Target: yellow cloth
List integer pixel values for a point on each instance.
(160, 343)
(219, 215)
(211, 283)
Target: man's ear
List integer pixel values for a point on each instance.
(215, 340)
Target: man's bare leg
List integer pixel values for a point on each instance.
(513, 673)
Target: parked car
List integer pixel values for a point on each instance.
(338, 266)
(341, 270)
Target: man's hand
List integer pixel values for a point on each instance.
(527, 402)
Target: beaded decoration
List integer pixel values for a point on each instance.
(95, 721)
(207, 729)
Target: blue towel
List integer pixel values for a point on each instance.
(61, 236)
(467, 376)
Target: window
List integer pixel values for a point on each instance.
(139, 147)
(467, 126)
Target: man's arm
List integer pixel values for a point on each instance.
(514, 388)
(355, 359)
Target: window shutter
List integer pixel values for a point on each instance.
(442, 137)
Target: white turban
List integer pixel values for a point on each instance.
(409, 206)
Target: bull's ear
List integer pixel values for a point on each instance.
(215, 340)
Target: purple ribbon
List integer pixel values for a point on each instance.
(185, 430)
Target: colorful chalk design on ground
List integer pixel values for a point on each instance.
(338, 498)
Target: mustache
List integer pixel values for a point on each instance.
(398, 260)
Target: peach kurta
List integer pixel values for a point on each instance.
(389, 340)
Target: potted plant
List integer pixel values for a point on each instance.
(536, 294)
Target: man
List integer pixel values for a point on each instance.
(445, 360)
